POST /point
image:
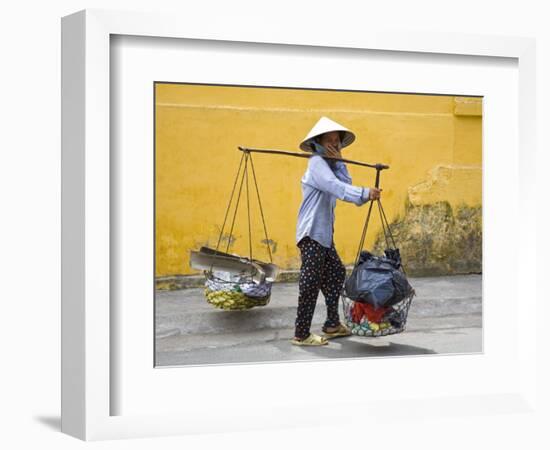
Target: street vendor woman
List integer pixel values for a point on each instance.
(324, 181)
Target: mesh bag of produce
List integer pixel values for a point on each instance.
(377, 295)
(228, 292)
(364, 320)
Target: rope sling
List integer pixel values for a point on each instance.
(385, 225)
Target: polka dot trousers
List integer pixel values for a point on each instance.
(322, 270)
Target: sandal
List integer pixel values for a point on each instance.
(342, 330)
(311, 340)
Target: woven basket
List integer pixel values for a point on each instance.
(229, 295)
(393, 322)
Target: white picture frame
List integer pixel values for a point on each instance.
(87, 328)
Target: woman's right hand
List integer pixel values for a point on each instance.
(333, 152)
(374, 193)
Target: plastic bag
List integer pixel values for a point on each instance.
(378, 280)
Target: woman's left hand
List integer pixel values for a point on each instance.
(333, 152)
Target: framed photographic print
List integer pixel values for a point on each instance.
(245, 210)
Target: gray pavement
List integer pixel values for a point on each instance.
(445, 318)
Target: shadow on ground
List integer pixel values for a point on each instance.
(52, 422)
(348, 348)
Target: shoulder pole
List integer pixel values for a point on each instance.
(378, 166)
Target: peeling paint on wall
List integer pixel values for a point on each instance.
(436, 239)
(440, 231)
(452, 183)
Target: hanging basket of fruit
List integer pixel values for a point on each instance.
(230, 292)
(232, 281)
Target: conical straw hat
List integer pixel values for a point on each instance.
(324, 125)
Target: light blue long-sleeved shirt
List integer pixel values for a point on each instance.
(321, 186)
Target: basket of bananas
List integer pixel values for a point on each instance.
(235, 293)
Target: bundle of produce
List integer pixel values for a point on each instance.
(234, 282)
(230, 292)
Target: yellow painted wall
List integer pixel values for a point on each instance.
(432, 143)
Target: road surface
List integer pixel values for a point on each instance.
(445, 317)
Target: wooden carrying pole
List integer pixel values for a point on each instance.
(378, 166)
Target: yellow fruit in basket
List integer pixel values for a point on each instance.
(233, 300)
(374, 326)
(384, 325)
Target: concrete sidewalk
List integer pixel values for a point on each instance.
(445, 317)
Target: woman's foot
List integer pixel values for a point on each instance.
(338, 331)
(311, 340)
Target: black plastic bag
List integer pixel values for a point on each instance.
(378, 280)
